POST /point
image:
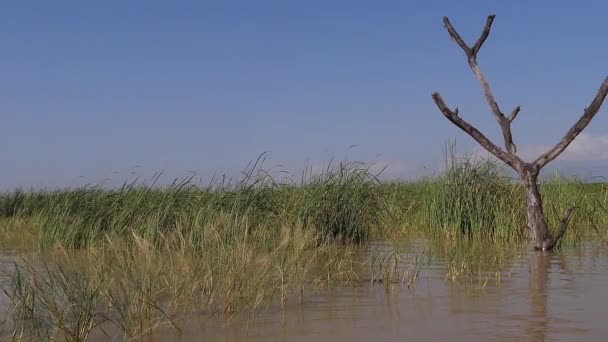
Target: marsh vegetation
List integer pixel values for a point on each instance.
(123, 262)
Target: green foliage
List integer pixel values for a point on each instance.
(474, 198)
(341, 203)
(344, 202)
(141, 255)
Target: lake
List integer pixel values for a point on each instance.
(540, 296)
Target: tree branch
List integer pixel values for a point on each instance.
(467, 50)
(509, 159)
(563, 224)
(584, 120)
(505, 123)
(514, 113)
(484, 35)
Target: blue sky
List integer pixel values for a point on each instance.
(108, 89)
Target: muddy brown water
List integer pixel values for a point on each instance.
(558, 296)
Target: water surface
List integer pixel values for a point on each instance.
(545, 297)
(557, 296)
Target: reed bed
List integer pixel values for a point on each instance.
(128, 260)
(343, 203)
(128, 289)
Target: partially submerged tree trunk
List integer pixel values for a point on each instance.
(542, 237)
(536, 216)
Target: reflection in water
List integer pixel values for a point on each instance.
(541, 300)
(546, 297)
(539, 276)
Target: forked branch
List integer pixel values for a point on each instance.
(504, 121)
(528, 171)
(484, 35)
(471, 53)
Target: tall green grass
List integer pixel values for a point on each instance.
(343, 203)
(139, 256)
(475, 198)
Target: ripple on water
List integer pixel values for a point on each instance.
(547, 296)
(544, 296)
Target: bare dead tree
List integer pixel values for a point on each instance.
(543, 239)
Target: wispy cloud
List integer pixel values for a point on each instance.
(585, 147)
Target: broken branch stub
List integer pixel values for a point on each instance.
(474, 132)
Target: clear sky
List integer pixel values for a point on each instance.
(95, 90)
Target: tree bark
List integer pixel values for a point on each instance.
(541, 235)
(537, 222)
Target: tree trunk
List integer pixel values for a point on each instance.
(536, 217)
(541, 235)
(539, 229)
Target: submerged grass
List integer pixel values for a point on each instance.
(127, 290)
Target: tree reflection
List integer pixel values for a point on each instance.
(540, 264)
